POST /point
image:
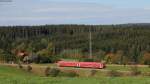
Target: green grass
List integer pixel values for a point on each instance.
(142, 68)
(127, 68)
(11, 71)
(11, 75)
(84, 72)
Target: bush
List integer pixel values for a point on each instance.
(47, 71)
(72, 74)
(93, 72)
(114, 73)
(29, 68)
(146, 74)
(87, 60)
(68, 74)
(135, 71)
(51, 59)
(54, 59)
(54, 72)
(20, 66)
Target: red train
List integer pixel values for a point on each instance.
(95, 65)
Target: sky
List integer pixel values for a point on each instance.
(40, 12)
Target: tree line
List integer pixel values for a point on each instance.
(119, 44)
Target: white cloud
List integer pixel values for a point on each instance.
(69, 12)
(146, 8)
(73, 7)
(115, 13)
(23, 18)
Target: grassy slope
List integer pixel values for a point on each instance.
(9, 75)
(142, 68)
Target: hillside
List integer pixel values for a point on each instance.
(130, 42)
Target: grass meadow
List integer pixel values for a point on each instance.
(13, 75)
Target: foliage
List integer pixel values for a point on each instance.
(146, 58)
(20, 66)
(74, 53)
(93, 72)
(114, 73)
(47, 71)
(47, 55)
(135, 71)
(68, 74)
(54, 72)
(6, 56)
(29, 68)
(2, 56)
(126, 42)
(87, 60)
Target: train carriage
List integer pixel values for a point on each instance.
(96, 65)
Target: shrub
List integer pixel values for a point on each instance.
(114, 73)
(47, 71)
(146, 74)
(20, 66)
(135, 71)
(51, 59)
(69, 74)
(54, 72)
(54, 59)
(72, 74)
(46, 56)
(93, 72)
(29, 68)
(87, 60)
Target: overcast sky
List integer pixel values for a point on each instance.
(39, 12)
